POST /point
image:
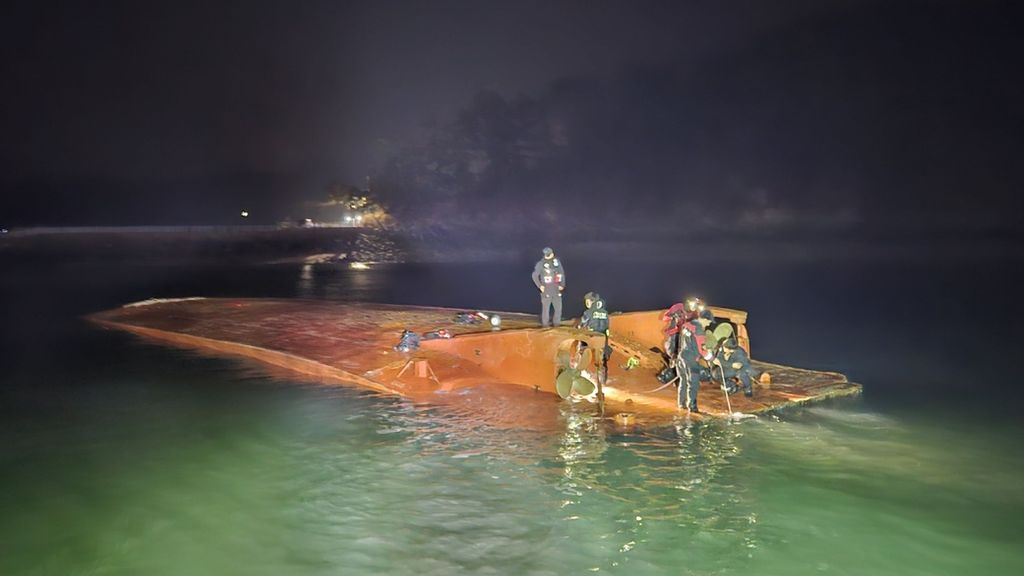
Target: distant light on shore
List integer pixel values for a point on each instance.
(245, 213)
(359, 266)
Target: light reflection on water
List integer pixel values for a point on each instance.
(298, 479)
(305, 287)
(124, 458)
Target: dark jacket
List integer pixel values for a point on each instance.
(549, 274)
(690, 346)
(596, 317)
(736, 356)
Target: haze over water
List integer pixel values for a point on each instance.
(121, 457)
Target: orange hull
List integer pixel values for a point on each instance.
(353, 344)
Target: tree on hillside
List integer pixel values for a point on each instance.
(488, 162)
(357, 201)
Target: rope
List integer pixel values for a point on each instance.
(662, 387)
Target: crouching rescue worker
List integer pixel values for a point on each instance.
(731, 364)
(549, 277)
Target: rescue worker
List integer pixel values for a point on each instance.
(595, 317)
(675, 317)
(687, 367)
(732, 364)
(700, 331)
(549, 277)
(705, 318)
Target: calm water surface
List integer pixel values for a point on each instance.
(119, 457)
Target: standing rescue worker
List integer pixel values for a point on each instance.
(689, 321)
(704, 319)
(549, 277)
(674, 318)
(687, 367)
(595, 317)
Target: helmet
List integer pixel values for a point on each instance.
(548, 252)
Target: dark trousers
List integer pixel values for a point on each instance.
(689, 382)
(550, 298)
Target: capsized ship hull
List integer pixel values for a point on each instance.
(349, 343)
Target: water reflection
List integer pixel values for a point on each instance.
(707, 496)
(668, 490)
(581, 447)
(339, 281)
(306, 285)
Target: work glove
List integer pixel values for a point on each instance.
(736, 365)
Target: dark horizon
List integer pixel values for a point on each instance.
(850, 118)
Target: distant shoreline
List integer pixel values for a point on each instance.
(251, 244)
(270, 244)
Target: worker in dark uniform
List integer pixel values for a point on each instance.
(595, 317)
(686, 363)
(674, 317)
(701, 323)
(704, 319)
(549, 277)
(732, 365)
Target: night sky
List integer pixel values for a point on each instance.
(854, 117)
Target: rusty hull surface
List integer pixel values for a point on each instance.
(353, 344)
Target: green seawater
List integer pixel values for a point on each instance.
(118, 457)
(297, 479)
